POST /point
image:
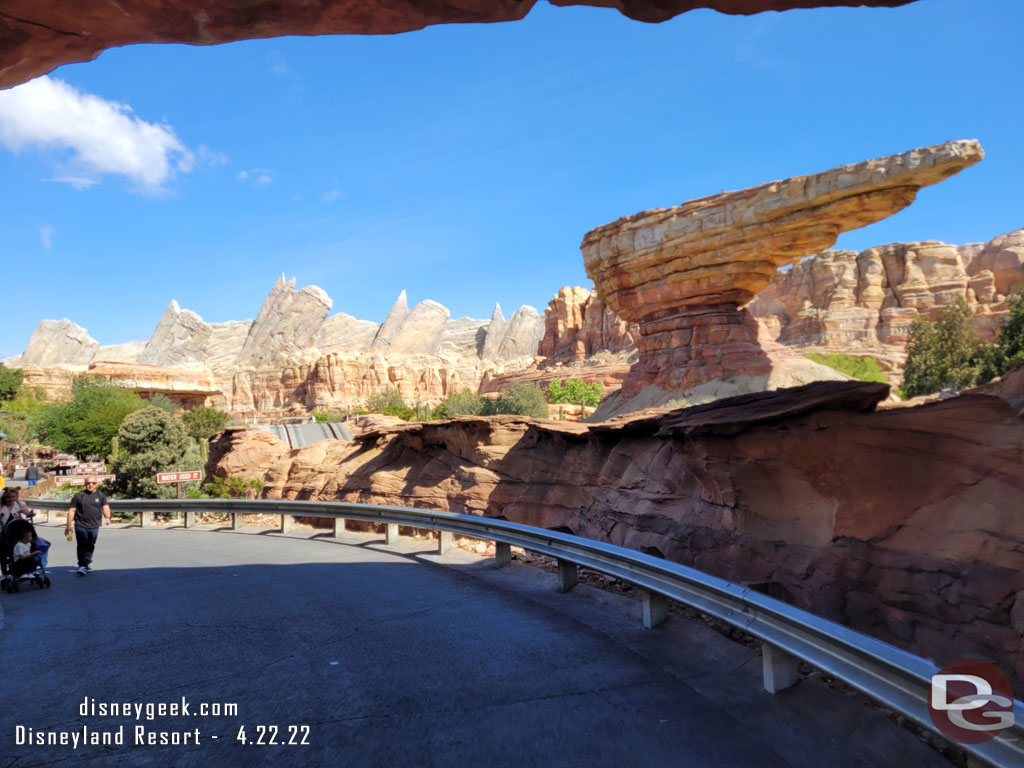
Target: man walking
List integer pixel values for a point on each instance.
(88, 507)
(32, 474)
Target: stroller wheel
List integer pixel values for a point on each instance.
(14, 586)
(47, 582)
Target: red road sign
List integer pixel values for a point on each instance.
(179, 477)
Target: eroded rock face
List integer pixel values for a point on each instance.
(286, 327)
(578, 325)
(864, 303)
(188, 388)
(901, 523)
(179, 341)
(683, 273)
(38, 37)
(59, 343)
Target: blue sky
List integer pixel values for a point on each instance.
(464, 163)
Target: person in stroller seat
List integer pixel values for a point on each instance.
(25, 559)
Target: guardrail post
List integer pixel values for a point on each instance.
(502, 554)
(339, 527)
(286, 523)
(237, 520)
(190, 518)
(780, 668)
(568, 575)
(655, 608)
(145, 518)
(444, 542)
(390, 533)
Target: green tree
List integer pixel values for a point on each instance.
(203, 422)
(86, 424)
(521, 398)
(1010, 345)
(18, 417)
(464, 403)
(943, 353)
(150, 441)
(575, 391)
(10, 382)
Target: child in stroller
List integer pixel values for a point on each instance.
(20, 556)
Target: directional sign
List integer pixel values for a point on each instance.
(80, 479)
(179, 477)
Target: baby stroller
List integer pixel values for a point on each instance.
(12, 572)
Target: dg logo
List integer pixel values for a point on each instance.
(971, 701)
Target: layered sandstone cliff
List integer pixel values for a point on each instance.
(902, 523)
(38, 37)
(683, 274)
(863, 303)
(293, 357)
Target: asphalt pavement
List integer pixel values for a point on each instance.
(267, 649)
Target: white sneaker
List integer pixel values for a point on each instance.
(82, 570)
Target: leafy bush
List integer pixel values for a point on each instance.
(202, 423)
(388, 398)
(464, 403)
(523, 399)
(150, 441)
(575, 391)
(86, 424)
(328, 417)
(163, 402)
(404, 412)
(862, 368)
(233, 488)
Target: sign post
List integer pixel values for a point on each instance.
(179, 478)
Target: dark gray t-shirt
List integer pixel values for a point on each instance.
(89, 508)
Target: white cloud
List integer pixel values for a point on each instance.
(211, 157)
(277, 64)
(331, 195)
(46, 235)
(258, 177)
(90, 136)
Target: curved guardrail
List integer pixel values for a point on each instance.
(896, 678)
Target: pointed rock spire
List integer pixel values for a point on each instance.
(389, 328)
(495, 334)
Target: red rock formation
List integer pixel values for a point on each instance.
(682, 273)
(862, 304)
(578, 325)
(901, 523)
(38, 37)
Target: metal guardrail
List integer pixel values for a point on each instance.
(896, 678)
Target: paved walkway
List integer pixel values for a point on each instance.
(378, 656)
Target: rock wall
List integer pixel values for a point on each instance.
(38, 37)
(863, 303)
(902, 523)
